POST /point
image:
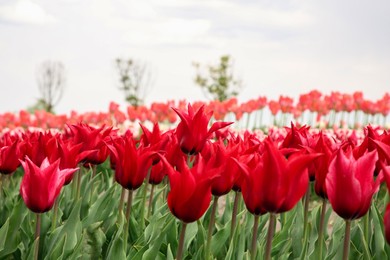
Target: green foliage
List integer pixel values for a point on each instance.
(218, 82)
(91, 229)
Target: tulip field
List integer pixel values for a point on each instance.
(261, 179)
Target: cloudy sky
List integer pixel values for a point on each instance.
(280, 47)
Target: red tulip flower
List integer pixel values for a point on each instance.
(41, 185)
(272, 182)
(9, 156)
(190, 189)
(92, 139)
(350, 183)
(217, 154)
(155, 140)
(192, 132)
(39, 145)
(321, 164)
(70, 156)
(131, 163)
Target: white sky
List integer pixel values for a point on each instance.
(280, 47)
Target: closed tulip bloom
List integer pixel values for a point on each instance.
(41, 185)
(350, 183)
(9, 157)
(321, 164)
(190, 189)
(217, 154)
(273, 183)
(192, 132)
(131, 162)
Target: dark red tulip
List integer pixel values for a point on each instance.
(272, 182)
(10, 154)
(70, 155)
(155, 140)
(39, 145)
(217, 154)
(131, 163)
(350, 183)
(92, 139)
(192, 132)
(321, 164)
(190, 189)
(41, 185)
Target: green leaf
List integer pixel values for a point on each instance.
(378, 243)
(116, 248)
(72, 229)
(16, 219)
(101, 209)
(58, 250)
(169, 253)
(156, 241)
(3, 234)
(191, 231)
(219, 240)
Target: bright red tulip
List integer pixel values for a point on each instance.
(155, 140)
(41, 185)
(70, 156)
(9, 155)
(192, 132)
(217, 154)
(350, 183)
(190, 189)
(39, 145)
(321, 164)
(131, 163)
(92, 139)
(272, 182)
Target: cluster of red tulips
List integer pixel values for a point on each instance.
(203, 161)
(313, 108)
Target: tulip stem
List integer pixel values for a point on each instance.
(366, 223)
(121, 201)
(37, 235)
(128, 211)
(347, 239)
(254, 237)
(270, 235)
(55, 212)
(92, 182)
(78, 186)
(143, 202)
(306, 210)
(179, 254)
(321, 227)
(150, 206)
(211, 227)
(234, 213)
(165, 185)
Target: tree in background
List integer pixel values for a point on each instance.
(135, 79)
(51, 84)
(217, 81)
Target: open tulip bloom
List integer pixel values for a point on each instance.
(192, 132)
(42, 184)
(40, 188)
